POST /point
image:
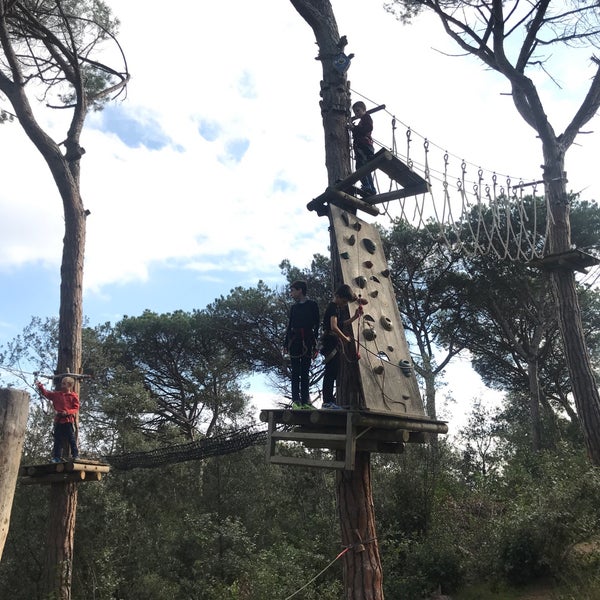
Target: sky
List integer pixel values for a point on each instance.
(198, 180)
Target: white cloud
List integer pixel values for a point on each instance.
(208, 79)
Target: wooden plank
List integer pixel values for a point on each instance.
(398, 194)
(343, 200)
(75, 477)
(380, 158)
(77, 466)
(304, 435)
(305, 462)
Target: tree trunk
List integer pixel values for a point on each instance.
(363, 574)
(60, 538)
(583, 381)
(14, 406)
(534, 405)
(362, 568)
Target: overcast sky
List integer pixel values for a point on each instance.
(198, 181)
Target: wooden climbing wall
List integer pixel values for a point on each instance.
(386, 370)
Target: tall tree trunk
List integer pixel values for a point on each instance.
(14, 406)
(583, 381)
(60, 538)
(362, 569)
(65, 172)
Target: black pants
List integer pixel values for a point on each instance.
(330, 377)
(362, 155)
(64, 432)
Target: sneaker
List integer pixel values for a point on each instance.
(55, 460)
(307, 407)
(297, 406)
(330, 406)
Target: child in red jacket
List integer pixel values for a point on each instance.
(66, 405)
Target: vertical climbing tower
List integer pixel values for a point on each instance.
(389, 411)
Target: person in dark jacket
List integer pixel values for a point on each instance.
(66, 407)
(301, 342)
(363, 143)
(335, 320)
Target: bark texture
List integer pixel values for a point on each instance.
(14, 406)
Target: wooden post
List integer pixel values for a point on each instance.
(14, 406)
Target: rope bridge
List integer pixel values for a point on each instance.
(218, 445)
(470, 209)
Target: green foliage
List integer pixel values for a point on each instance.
(59, 43)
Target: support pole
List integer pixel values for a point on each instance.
(14, 407)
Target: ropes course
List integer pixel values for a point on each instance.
(470, 209)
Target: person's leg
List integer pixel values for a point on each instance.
(305, 378)
(296, 371)
(58, 441)
(329, 377)
(363, 156)
(73, 440)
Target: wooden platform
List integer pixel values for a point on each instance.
(78, 471)
(345, 195)
(344, 432)
(575, 260)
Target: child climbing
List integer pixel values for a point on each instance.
(363, 143)
(66, 406)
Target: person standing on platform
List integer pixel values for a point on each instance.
(66, 406)
(362, 142)
(301, 343)
(334, 320)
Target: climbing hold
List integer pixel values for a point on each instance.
(373, 278)
(405, 368)
(390, 348)
(357, 226)
(361, 281)
(345, 255)
(351, 240)
(369, 318)
(386, 323)
(370, 245)
(368, 264)
(346, 218)
(385, 272)
(374, 293)
(378, 370)
(381, 355)
(369, 334)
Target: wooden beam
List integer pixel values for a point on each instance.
(398, 194)
(343, 200)
(75, 477)
(379, 159)
(307, 462)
